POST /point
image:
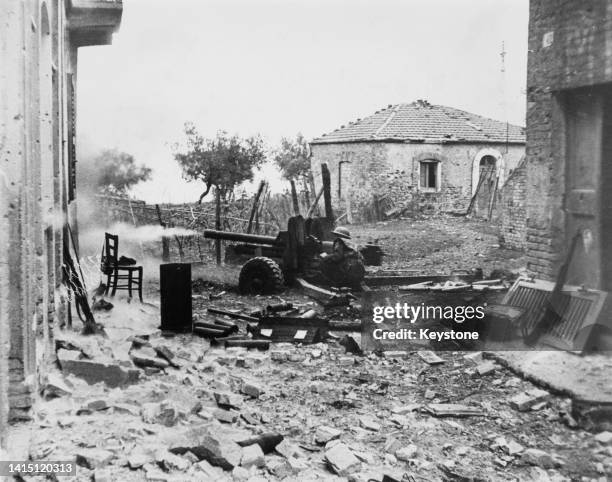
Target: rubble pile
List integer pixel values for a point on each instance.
(140, 406)
(154, 408)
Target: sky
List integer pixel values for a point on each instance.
(279, 67)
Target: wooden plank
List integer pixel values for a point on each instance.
(324, 296)
(453, 410)
(326, 180)
(407, 280)
(493, 197)
(314, 205)
(262, 184)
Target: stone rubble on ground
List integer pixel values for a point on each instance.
(527, 400)
(199, 413)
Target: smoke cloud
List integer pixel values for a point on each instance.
(135, 234)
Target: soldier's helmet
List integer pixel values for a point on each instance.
(342, 232)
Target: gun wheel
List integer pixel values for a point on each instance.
(261, 276)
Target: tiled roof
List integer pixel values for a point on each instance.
(424, 122)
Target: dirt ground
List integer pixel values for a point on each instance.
(343, 416)
(440, 244)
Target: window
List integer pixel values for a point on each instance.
(429, 175)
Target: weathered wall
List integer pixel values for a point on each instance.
(393, 169)
(570, 46)
(38, 59)
(32, 124)
(511, 208)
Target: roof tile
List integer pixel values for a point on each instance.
(424, 121)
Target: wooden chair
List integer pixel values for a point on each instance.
(117, 273)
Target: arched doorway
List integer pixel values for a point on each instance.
(487, 178)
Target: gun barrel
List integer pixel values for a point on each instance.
(240, 237)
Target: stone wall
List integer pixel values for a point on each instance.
(391, 171)
(38, 55)
(512, 210)
(570, 46)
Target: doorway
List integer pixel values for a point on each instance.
(588, 174)
(487, 179)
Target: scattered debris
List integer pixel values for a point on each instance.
(604, 438)
(252, 455)
(539, 458)
(325, 434)
(94, 458)
(406, 453)
(215, 410)
(56, 386)
(341, 460)
(486, 368)
(92, 371)
(430, 357)
(453, 410)
(526, 400)
(218, 451)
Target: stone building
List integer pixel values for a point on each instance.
(569, 139)
(417, 157)
(39, 42)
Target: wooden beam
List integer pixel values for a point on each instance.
(314, 205)
(262, 184)
(326, 181)
(294, 198)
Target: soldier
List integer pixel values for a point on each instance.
(344, 266)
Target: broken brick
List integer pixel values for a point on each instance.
(138, 459)
(604, 437)
(164, 413)
(56, 386)
(474, 357)
(296, 357)
(539, 458)
(217, 450)
(251, 390)
(486, 368)
(93, 371)
(280, 468)
(225, 416)
(170, 461)
(252, 455)
(524, 401)
(142, 358)
(369, 424)
(288, 449)
(279, 356)
(406, 453)
(94, 458)
(228, 400)
(240, 474)
(392, 444)
(341, 460)
(324, 434)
